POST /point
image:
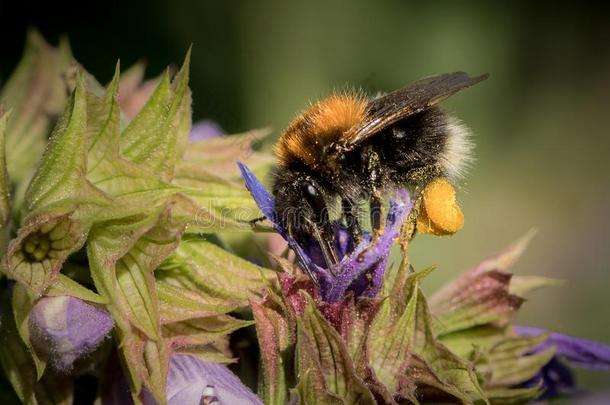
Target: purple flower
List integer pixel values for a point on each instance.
(578, 352)
(205, 129)
(556, 376)
(191, 381)
(65, 329)
(361, 271)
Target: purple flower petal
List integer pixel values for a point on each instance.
(205, 129)
(361, 271)
(578, 352)
(556, 378)
(189, 380)
(67, 328)
(261, 196)
(369, 259)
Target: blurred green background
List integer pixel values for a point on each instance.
(541, 121)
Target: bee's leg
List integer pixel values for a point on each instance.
(255, 221)
(375, 212)
(375, 205)
(374, 168)
(351, 213)
(409, 227)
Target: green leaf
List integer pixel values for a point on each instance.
(223, 205)
(177, 304)
(480, 296)
(310, 392)
(66, 286)
(137, 290)
(211, 205)
(522, 285)
(388, 349)
(135, 188)
(501, 262)
(322, 352)
(484, 300)
(60, 204)
(356, 316)
(402, 339)
(111, 240)
(465, 343)
(508, 363)
(156, 136)
(218, 155)
(203, 268)
(449, 367)
(22, 304)
(103, 130)
(123, 255)
(134, 91)
(514, 396)
(147, 362)
(36, 92)
(216, 352)
(391, 334)
(209, 175)
(202, 331)
(60, 181)
(276, 344)
(5, 201)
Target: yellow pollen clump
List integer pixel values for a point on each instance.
(439, 213)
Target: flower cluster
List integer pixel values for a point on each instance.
(354, 340)
(107, 247)
(118, 267)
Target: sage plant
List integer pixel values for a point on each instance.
(120, 223)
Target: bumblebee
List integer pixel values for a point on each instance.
(348, 149)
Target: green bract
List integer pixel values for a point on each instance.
(102, 215)
(457, 347)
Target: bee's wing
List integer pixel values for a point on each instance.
(388, 109)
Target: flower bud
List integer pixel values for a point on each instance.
(65, 329)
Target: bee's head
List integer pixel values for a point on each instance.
(301, 203)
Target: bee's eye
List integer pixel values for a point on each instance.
(313, 196)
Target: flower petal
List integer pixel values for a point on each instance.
(263, 199)
(205, 129)
(67, 328)
(362, 271)
(190, 379)
(578, 352)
